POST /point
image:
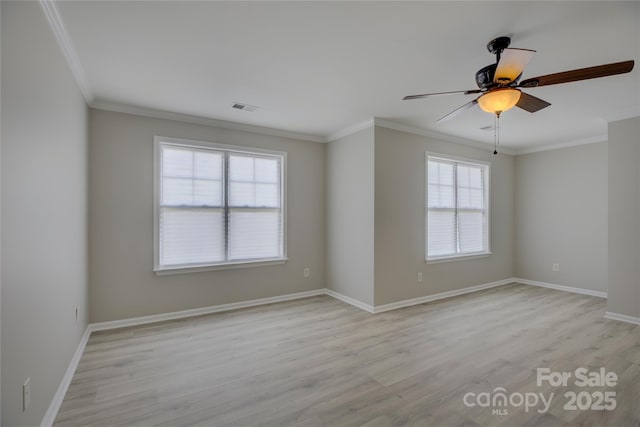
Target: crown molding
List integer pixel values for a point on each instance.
(388, 124)
(571, 143)
(64, 41)
(66, 45)
(206, 121)
(357, 127)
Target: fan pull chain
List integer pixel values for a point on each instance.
(496, 138)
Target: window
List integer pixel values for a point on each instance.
(457, 213)
(217, 205)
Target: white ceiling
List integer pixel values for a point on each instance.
(319, 67)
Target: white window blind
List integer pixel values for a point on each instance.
(457, 208)
(217, 206)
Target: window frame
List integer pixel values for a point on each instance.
(158, 141)
(487, 195)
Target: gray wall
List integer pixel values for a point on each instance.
(624, 217)
(350, 215)
(44, 212)
(400, 220)
(561, 216)
(123, 284)
(0, 229)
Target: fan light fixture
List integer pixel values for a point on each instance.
(496, 102)
(499, 100)
(498, 83)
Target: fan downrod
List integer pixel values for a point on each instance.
(484, 76)
(497, 45)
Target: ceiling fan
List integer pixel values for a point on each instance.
(499, 85)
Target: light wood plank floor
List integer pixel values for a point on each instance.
(320, 362)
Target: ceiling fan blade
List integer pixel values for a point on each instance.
(458, 111)
(531, 103)
(426, 95)
(512, 62)
(579, 74)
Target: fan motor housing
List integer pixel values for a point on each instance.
(484, 76)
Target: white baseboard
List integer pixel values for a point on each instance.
(439, 296)
(354, 302)
(359, 304)
(428, 298)
(622, 317)
(134, 321)
(54, 407)
(582, 291)
(52, 412)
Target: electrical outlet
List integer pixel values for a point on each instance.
(556, 267)
(26, 394)
(307, 272)
(419, 276)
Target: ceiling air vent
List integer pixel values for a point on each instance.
(245, 107)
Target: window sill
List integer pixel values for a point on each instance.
(228, 266)
(458, 258)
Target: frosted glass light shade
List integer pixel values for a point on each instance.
(499, 100)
